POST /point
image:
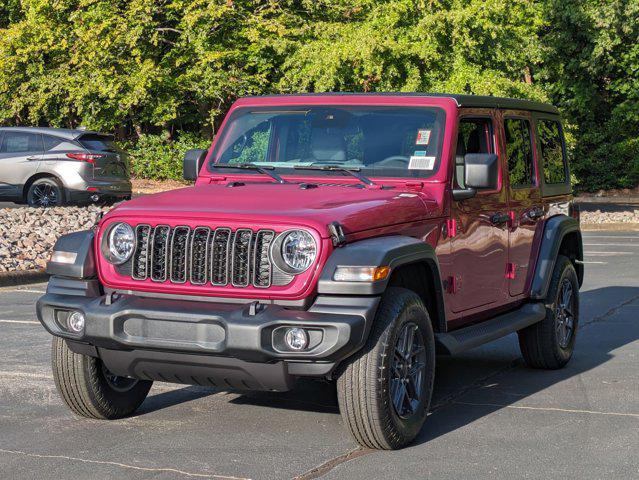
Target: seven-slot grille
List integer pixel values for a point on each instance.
(203, 255)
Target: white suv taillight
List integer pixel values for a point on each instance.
(85, 157)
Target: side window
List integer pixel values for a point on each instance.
(50, 142)
(552, 151)
(519, 152)
(20, 142)
(475, 136)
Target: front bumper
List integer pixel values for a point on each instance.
(191, 341)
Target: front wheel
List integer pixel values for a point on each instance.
(89, 389)
(384, 390)
(550, 343)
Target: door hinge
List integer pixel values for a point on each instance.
(451, 284)
(449, 229)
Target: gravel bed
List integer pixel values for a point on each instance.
(27, 235)
(598, 217)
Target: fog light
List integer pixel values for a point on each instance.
(76, 322)
(296, 339)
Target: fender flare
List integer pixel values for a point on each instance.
(83, 266)
(392, 251)
(555, 230)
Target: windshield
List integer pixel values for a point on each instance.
(378, 141)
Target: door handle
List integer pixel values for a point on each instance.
(33, 157)
(499, 218)
(535, 213)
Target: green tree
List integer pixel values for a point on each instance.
(590, 70)
(163, 67)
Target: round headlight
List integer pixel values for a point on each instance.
(120, 243)
(297, 251)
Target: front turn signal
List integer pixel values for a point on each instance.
(361, 274)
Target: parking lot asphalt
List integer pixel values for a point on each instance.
(491, 418)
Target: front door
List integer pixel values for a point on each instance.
(480, 239)
(524, 197)
(20, 154)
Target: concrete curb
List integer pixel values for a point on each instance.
(612, 200)
(610, 227)
(22, 277)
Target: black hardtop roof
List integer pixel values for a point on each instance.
(483, 101)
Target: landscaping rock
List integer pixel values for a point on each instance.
(27, 235)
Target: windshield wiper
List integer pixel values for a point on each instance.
(266, 169)
(354, 171)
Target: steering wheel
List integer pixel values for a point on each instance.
(392, 159)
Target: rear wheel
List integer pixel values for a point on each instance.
(549, 344)
(384, 390)
(45, 192)
(89, 389)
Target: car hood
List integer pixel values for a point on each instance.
(356, 209)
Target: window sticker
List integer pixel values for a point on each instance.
(423, 137)
(421, 162)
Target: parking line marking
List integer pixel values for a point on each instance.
(609, 253)
(597, 263)
(12, 289)
(550, 409)
(123, 465)
(611, 244)
(594, 237)
(29, 322)
(26, 375)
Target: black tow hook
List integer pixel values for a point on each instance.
(255, 308)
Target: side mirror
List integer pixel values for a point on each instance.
(481, 173)
(193, 161)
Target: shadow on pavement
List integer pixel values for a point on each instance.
(174, 397)
(590, 353)
(450, 382)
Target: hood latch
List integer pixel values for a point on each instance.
(336, 231)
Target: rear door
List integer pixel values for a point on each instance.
(524, 196)
(20, 155)
(111, 163)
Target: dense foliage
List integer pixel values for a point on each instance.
(150, 70)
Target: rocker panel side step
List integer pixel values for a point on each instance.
(458, 341)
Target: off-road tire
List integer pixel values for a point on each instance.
(363, 385)
(539, 343)
(47, 182)
(83, 386)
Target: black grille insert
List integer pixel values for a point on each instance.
(140, 267)
(261, 260)
(179, 253)
(199, 254)
(219, 256)
(241, 256)
(159, 253)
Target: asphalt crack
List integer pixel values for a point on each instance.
(123, 465)
(329, 465)
(609, 313)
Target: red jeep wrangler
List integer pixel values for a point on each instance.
(346, 237)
